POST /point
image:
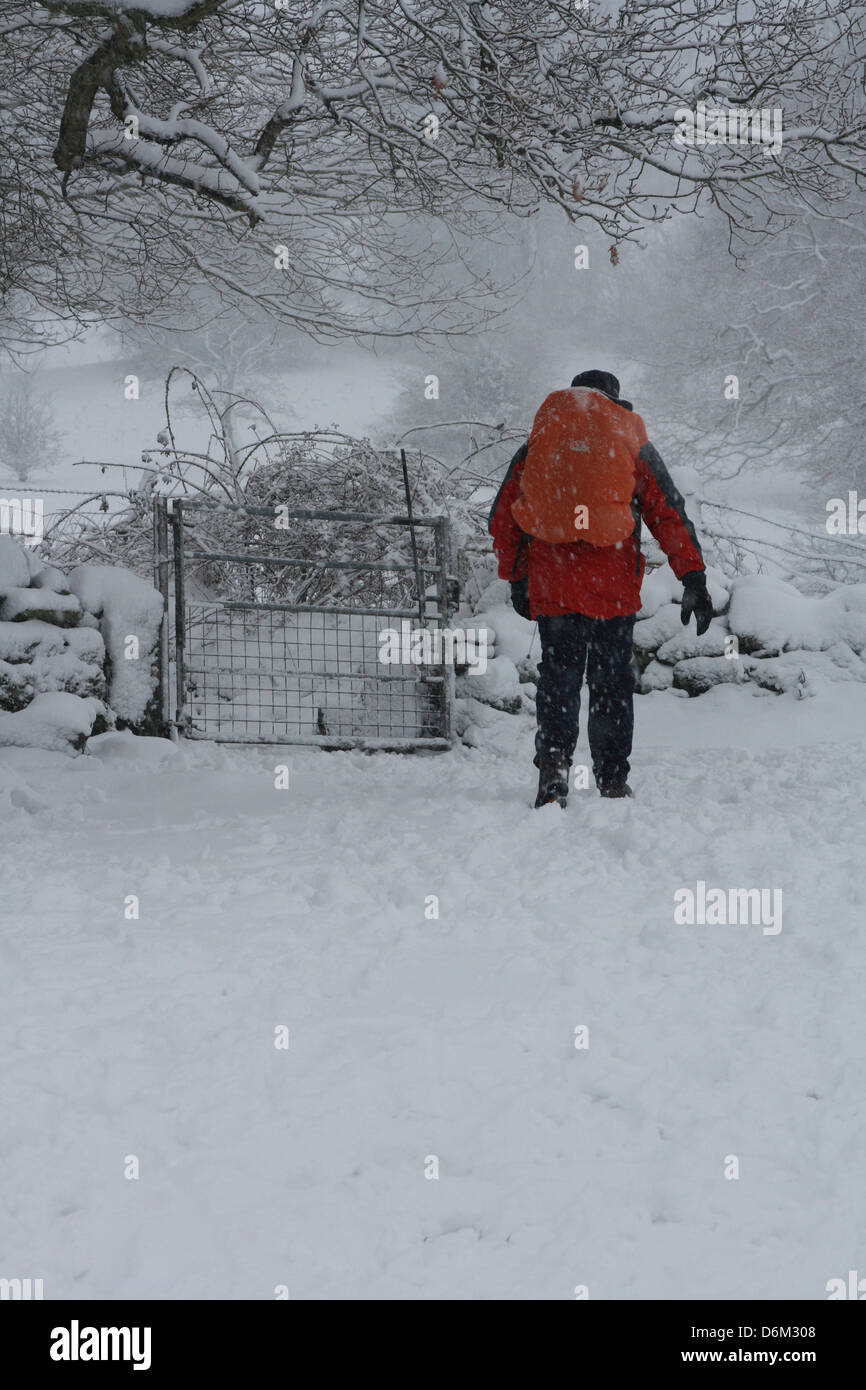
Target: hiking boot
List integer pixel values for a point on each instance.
(552, 784)
(622, 790)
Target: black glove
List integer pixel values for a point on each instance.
(696, 600)
(520, 596)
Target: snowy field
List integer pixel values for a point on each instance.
(412, 1038)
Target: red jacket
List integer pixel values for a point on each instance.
(598, 581)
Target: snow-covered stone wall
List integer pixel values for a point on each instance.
(129, 612)
(78, 652)
(765, 635)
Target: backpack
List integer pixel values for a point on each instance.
(579, 476)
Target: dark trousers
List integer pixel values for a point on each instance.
(601, 647)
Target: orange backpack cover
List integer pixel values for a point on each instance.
(579, 476)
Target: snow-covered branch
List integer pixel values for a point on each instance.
(196, 122)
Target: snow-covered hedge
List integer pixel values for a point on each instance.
(77, 652)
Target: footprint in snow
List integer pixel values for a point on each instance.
(26, 801)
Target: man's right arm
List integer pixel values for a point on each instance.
(507, 535)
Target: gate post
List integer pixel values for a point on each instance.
(442, 541)
(161, 582)
(179, 611)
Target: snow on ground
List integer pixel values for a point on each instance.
(453, 1037)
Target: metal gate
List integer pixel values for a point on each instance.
(281, 627)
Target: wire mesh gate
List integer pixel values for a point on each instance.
(276, 630)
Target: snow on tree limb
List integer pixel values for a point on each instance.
(234, 118)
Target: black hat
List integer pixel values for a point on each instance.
(599, 381)
(605, 382)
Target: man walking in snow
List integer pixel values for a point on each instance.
(566, 527)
